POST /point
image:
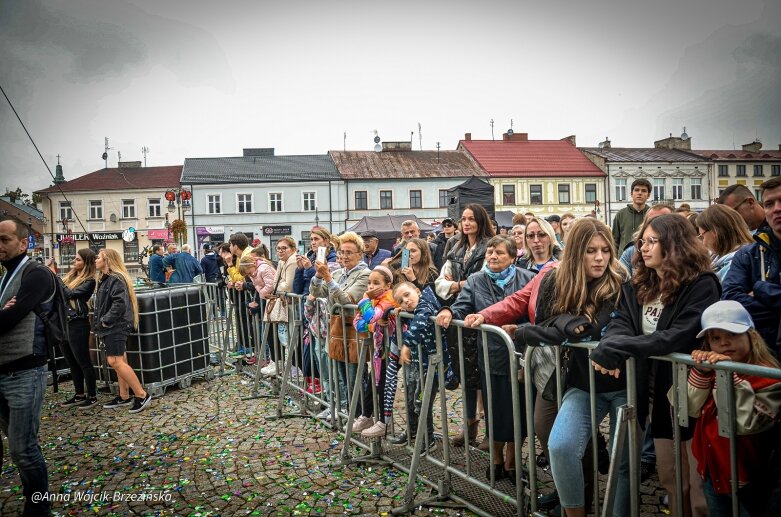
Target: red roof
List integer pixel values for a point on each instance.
(122, 179)
(530, 158)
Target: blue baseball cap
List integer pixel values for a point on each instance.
(726, 315)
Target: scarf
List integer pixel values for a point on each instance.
(502, 277)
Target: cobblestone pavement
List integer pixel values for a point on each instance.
(204, 451)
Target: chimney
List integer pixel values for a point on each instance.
(605, 144)
(570, 139)
(674, 142)
(129, 165)
(753, 147)
(258, 151)
(468, 136)
(391, 147)
(515, 137)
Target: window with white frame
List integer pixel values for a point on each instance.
(310, 201)
(658, 189)
(154, 208)
(361, 200)
(444, 199)
(535, 194)
(96, 209)
(128, 209)
(620, 189)
(564, 194)
(677, 189)
(386, 199)
(244, 203)
(66, 212)
(508, 195)
(591, 192)
(275, 201)
(416, 199)
(696, 187)
(214, 203)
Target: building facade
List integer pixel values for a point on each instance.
(264, 196)
(96, 209)
(545, 177)
(676, 176)
(401, 182)
(751, 166)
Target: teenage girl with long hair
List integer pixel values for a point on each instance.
(659, 313)
(116, 315)
(421, 270)
(79, 285)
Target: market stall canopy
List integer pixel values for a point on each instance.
(388, 227)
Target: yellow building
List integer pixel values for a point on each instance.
(545, 177)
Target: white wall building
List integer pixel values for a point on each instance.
(264, 196)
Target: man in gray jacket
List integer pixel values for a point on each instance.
(25, 286)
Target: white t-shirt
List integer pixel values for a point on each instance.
(650, 316)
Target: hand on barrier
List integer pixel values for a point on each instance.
(444, 318)
(709, 356)
(474, 320)
(601, 369)
(406, 355)
(510, 329)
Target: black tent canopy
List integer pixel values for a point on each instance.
(473, 190)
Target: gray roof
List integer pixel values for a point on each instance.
(256, 169)
(643, 154)
(25, 208)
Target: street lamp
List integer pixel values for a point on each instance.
(178, 198)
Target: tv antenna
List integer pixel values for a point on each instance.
(106, 149)
(377, 146)
(145, 151)
(437, 152)
(420, 136)
(492, 130)
(345, 141)
(119, 156)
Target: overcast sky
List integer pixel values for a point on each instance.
(202, 78)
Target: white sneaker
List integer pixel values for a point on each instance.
(375, 431)
(269, 369)
(363, 422)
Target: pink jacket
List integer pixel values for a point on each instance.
(520, 303)
(263, 279)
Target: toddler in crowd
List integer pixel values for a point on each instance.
(375, 317)
(730, 336)
(419, 332)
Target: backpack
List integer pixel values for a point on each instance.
(56, 324)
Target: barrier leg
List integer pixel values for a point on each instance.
(375, 454)
(286, 376)
(442, 498)
(256, 384)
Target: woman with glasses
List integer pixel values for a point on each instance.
(466, 258)
(346, 285)
(659, 313)
(277, 304)
(723, 232)
(541, 245)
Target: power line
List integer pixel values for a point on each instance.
(11, 104)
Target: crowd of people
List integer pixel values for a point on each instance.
(660, 281)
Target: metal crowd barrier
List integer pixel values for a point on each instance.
(454, 474)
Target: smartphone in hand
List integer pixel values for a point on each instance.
(321, 254)
(404, 258)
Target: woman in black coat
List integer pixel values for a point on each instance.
(465, 259)
(79, 286)
(659, 313)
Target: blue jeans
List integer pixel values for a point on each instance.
(21, 397)
(720, 505)
(568, 439)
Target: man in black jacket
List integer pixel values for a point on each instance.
(23, 355)
(448, 230)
